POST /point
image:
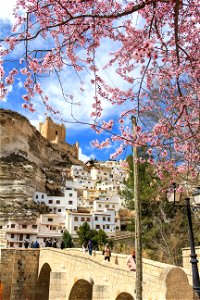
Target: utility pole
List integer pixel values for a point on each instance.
(138, 241)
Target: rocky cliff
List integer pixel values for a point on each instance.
(28, 163)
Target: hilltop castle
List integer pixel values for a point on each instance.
(56, 133)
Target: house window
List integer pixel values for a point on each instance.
(107, 205)
(97, 226)
(108, 227)
(104, 226)
(24, 226)
(96, 218)
(59, 210)
(104, 218)
(36, 197)
(57, 201)
(50, 219)
(70, 194)
(52, 228)
(75, 228)
(28, 236)
(88, 219)
(11, 244)
(12, 235)
(1, 226)
(50, 201)
(83, 219)
(113, 206)
(20, 245)
(70, 202)
(108, 219)
(12, 226)
(42, 196)
(75, 218)
(99, 205)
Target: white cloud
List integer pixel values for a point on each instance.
(84, 157)
(6, 11)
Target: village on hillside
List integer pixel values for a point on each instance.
(89, 193)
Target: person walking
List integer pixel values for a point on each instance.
(26, 243)
(131, 261)
(107, 252)
(85, 247)
(90, 247)
(62, 245)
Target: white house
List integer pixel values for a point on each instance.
(104, 220)
(18, 232)
(58, 204)
(75, 219)
(78, 171)
(80, 183)
(50, 226)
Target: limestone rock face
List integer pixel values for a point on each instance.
(28, 163)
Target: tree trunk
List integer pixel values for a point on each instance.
(138, 242)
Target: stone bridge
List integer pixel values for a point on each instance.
(54, 274)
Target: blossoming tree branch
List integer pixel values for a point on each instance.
(162, 47)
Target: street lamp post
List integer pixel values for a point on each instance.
(194, 260)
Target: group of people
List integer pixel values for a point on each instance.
(33, 244)
(131, 262)
(87, 246)
(47, 242)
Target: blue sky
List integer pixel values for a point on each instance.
(71, 84)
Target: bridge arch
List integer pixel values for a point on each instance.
(81, 290)
(42, 287)
(124, 292)
(124, 296)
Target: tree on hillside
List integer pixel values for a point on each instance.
(67, 239)
(154, 47)
(98, 238)
(84, 233)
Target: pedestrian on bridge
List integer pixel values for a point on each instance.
(90, 247)
(107, 252)
(85, 247)
(131, 261)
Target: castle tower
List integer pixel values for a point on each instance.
(52, 131)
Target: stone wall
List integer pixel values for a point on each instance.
(186, 257)
(19, 272)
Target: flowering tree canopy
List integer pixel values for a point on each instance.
(156, 54)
